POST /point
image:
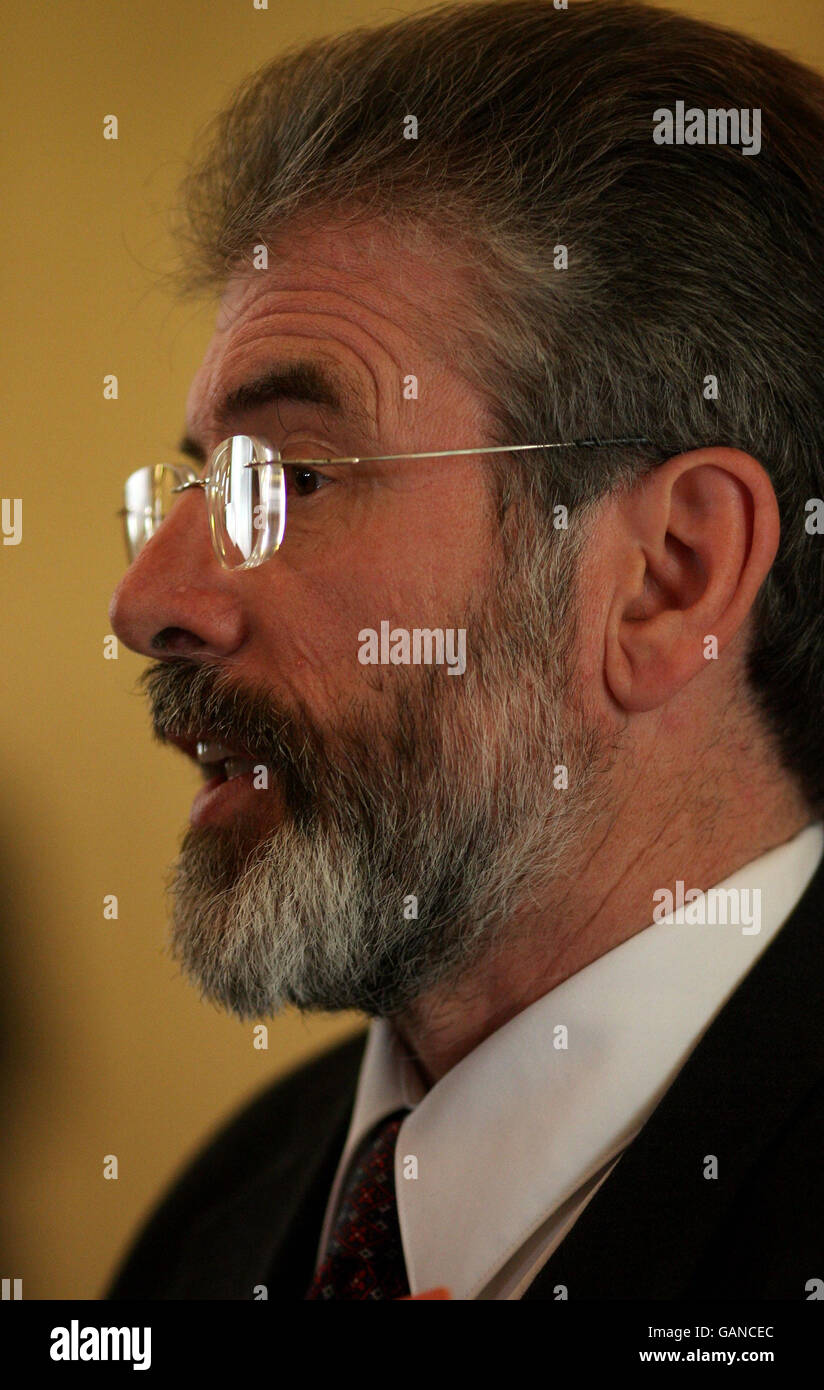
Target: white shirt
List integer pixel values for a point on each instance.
(514, 1141)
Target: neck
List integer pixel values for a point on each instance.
(592, 910)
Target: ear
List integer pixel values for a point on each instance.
(693, 542)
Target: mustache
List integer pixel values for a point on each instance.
(198, 699)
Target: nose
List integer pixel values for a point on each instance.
(175, 596)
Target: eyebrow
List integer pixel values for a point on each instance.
(304, 381)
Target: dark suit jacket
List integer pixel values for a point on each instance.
(249, 1209)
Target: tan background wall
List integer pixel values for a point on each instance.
(103, 1047)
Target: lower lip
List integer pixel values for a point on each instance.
(219, 800)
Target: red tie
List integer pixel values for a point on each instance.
(364, 1255)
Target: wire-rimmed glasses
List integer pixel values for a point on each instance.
(245, 487)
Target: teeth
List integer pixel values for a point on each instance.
(238, 767)
(210, 752)
(209, 771)
(216, 758)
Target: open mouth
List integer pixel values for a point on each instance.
(218, 763)
(233, 778)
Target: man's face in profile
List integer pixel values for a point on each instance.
(404, 810)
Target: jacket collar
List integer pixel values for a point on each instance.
(644, 1233)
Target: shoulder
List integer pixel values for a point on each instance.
(291, 1115)
(770, 1244)
(278, 1114)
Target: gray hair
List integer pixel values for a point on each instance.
(535, 131)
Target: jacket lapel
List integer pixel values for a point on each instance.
(644, 1233)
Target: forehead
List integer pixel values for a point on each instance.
(348, 297)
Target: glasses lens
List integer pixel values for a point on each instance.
(147, 499)
(247, 504)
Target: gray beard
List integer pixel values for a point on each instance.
(411, 844)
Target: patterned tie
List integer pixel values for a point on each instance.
(364, 1256)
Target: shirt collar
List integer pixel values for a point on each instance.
(558, 1113)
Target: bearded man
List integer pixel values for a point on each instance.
(490, 359)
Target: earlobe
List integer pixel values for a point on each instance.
(699, 535)
(618, 669)
(648, 660)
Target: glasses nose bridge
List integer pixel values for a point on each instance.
(152, 492)
(189, 484)
(178, 516)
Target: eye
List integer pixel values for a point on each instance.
(304, 481)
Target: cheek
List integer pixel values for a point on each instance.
(436, 553)
(416, 563)
(305, 633)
